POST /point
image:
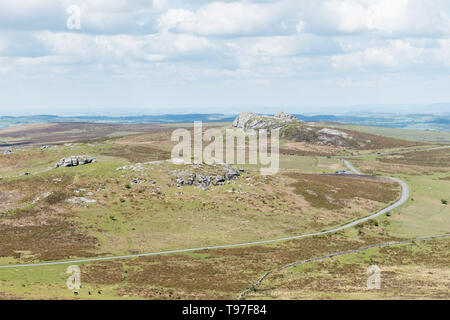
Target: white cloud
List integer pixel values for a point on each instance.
(221, 18)
(397, 53)
(382, 17)
(257, 42)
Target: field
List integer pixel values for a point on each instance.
(424, 136)
(137, 205)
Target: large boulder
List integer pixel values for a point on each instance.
(74, 161)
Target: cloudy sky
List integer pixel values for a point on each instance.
(164, 56)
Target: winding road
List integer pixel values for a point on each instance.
(402, 200)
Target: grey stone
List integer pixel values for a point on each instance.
(74, 161)
(81, 200)
(248, 121)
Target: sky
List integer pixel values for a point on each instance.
(118, 57)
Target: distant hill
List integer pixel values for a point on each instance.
(438, 122)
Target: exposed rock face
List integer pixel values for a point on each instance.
(248, 120)
(333, 137)
(74, 161)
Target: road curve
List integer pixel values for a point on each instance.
(403, 199)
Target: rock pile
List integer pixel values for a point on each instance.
(189, 178)
(248, 121)
(74, 161)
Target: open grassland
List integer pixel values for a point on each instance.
(425, 136)
(333, 191)
(431, 158)
(63, 132)
(155, 214)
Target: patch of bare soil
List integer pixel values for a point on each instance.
(9, 200)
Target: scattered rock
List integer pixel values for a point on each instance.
(137, 181)
(81, 200)
(136, 167)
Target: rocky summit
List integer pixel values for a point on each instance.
(74, 161)
(249, 120)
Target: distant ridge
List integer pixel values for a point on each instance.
(438, 122)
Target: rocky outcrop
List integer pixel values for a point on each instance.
(333, 137)
(249, 120)
(322, 136)
(205, 180)
(286, 116)
(74, 161)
